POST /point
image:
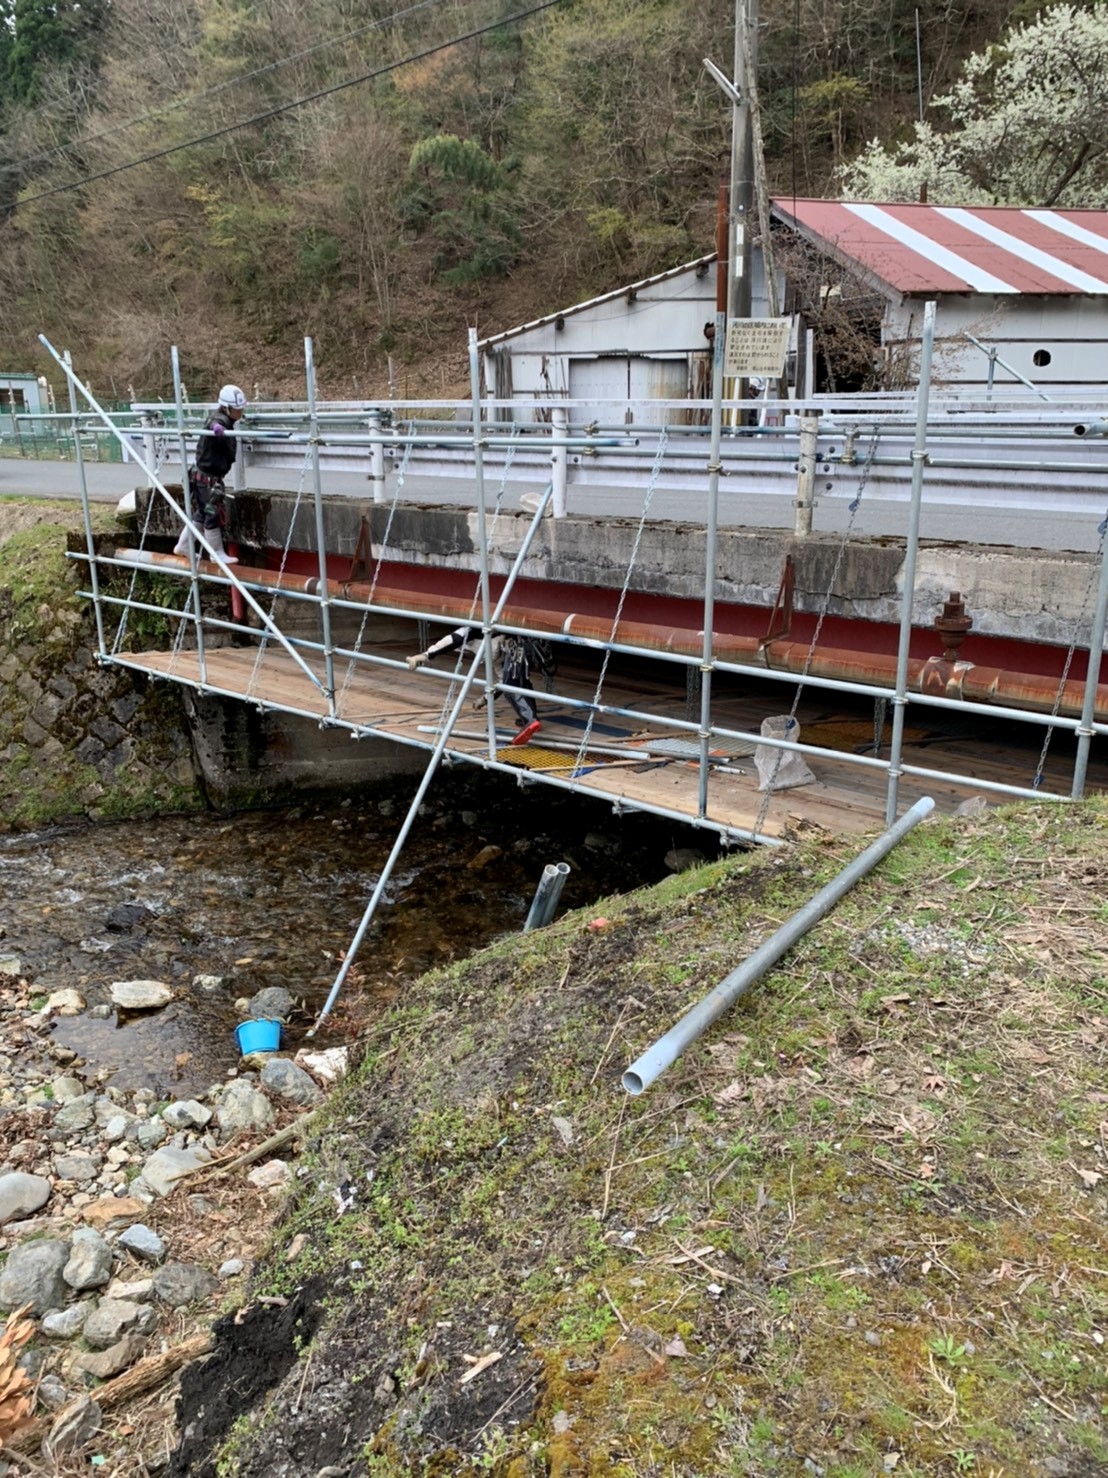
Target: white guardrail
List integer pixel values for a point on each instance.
(1010, 455)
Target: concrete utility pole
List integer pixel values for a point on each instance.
(742, 204)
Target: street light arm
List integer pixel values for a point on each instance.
(724, 82)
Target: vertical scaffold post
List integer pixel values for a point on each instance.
(482, 534)
(919, 456)
(186, 498)
(1092, 678)
(320, 531)
(559, 459)
(90, 543)
(149, 440)
(710, 540)
(377, 456)
(806, 472)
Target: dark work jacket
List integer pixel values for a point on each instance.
(215, 455)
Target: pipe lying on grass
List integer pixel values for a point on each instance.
(667, 1049)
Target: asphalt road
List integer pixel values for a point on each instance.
(1019, 528)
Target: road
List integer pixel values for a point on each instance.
(1019, 528)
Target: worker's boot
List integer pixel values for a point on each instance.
(215, 539)
(182, 544)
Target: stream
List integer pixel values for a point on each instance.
(273, 897)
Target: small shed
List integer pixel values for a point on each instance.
(22, 394)
(637, 343)
(1030, 286)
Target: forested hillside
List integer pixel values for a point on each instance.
(481, 180)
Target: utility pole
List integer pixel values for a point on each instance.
(742, 203)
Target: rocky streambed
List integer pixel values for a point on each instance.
(141, 1159)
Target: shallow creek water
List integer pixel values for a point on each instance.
(273, 898)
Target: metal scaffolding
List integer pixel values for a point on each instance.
(326, 434)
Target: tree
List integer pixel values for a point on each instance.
(1028, 124)
(43, 34)
(463, 197)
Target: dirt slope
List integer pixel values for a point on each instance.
(858, 1229)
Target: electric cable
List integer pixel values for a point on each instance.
(196, 97)
(323, 92)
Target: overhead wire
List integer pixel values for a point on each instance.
(196, 97)
(276, 112)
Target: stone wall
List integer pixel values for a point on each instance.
(77, 739)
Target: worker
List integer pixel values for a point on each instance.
(515, 671)
(215, 456)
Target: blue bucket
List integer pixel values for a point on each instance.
(258, 1036)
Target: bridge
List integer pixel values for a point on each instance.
(670, 666)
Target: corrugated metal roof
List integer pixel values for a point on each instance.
(960, 249)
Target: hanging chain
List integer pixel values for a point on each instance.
(264, 642)
(348, 676)
(1077, 625)
(825, 605)
(655, 472)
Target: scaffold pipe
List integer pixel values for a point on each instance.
(665, 1051)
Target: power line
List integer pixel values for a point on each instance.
(313, 97)
(196, 97)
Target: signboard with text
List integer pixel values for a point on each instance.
(756, 346)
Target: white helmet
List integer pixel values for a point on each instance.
(232, 397)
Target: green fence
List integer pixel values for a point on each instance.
(45, 439)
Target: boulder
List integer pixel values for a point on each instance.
(33, 1275)
(21, 1195)
(68, 1323)
(164, 1167)
(65, 1002)
(74, 1426)
(186, 1114)
(111, 1211)
(272, 1004)
(282, 1077)
(140, 995)
(110, 1321)
(76, 1166)
(111, 1361)
(243, 1107)
(181, 1283)
(142, 1243)
(77, 1115)
(90, 1261)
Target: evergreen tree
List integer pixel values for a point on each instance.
(43, 34)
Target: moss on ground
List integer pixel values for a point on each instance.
(858, 1228)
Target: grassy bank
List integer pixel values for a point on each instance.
(859, 1228)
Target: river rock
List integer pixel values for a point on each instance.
(90, 1261)
(115, 1129)
(21, 1195)
(68, 1323)
(76, 1116)
(186, 1113)
(65, 1002)
(52, 1393)
(150, 1133)
(137, 1291)
(272, 1004)
(126, 916)
(140, 995)
(110, 1321)
(142, 1243)
(181, 1283)
(207, 982)
(269, 1176)
(282, 1076)
(232, 1267)
(111, 1361)
(10, 965)
(33, 1275)
(111, 1211)
(329, 1065)
(76, 1166)
(74, 1425)
(66, 1089)
(243, 1107)
(164, 1167)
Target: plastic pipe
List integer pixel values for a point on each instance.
(548, 892)
(654, 1061)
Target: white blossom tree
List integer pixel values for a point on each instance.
(1027, 124)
